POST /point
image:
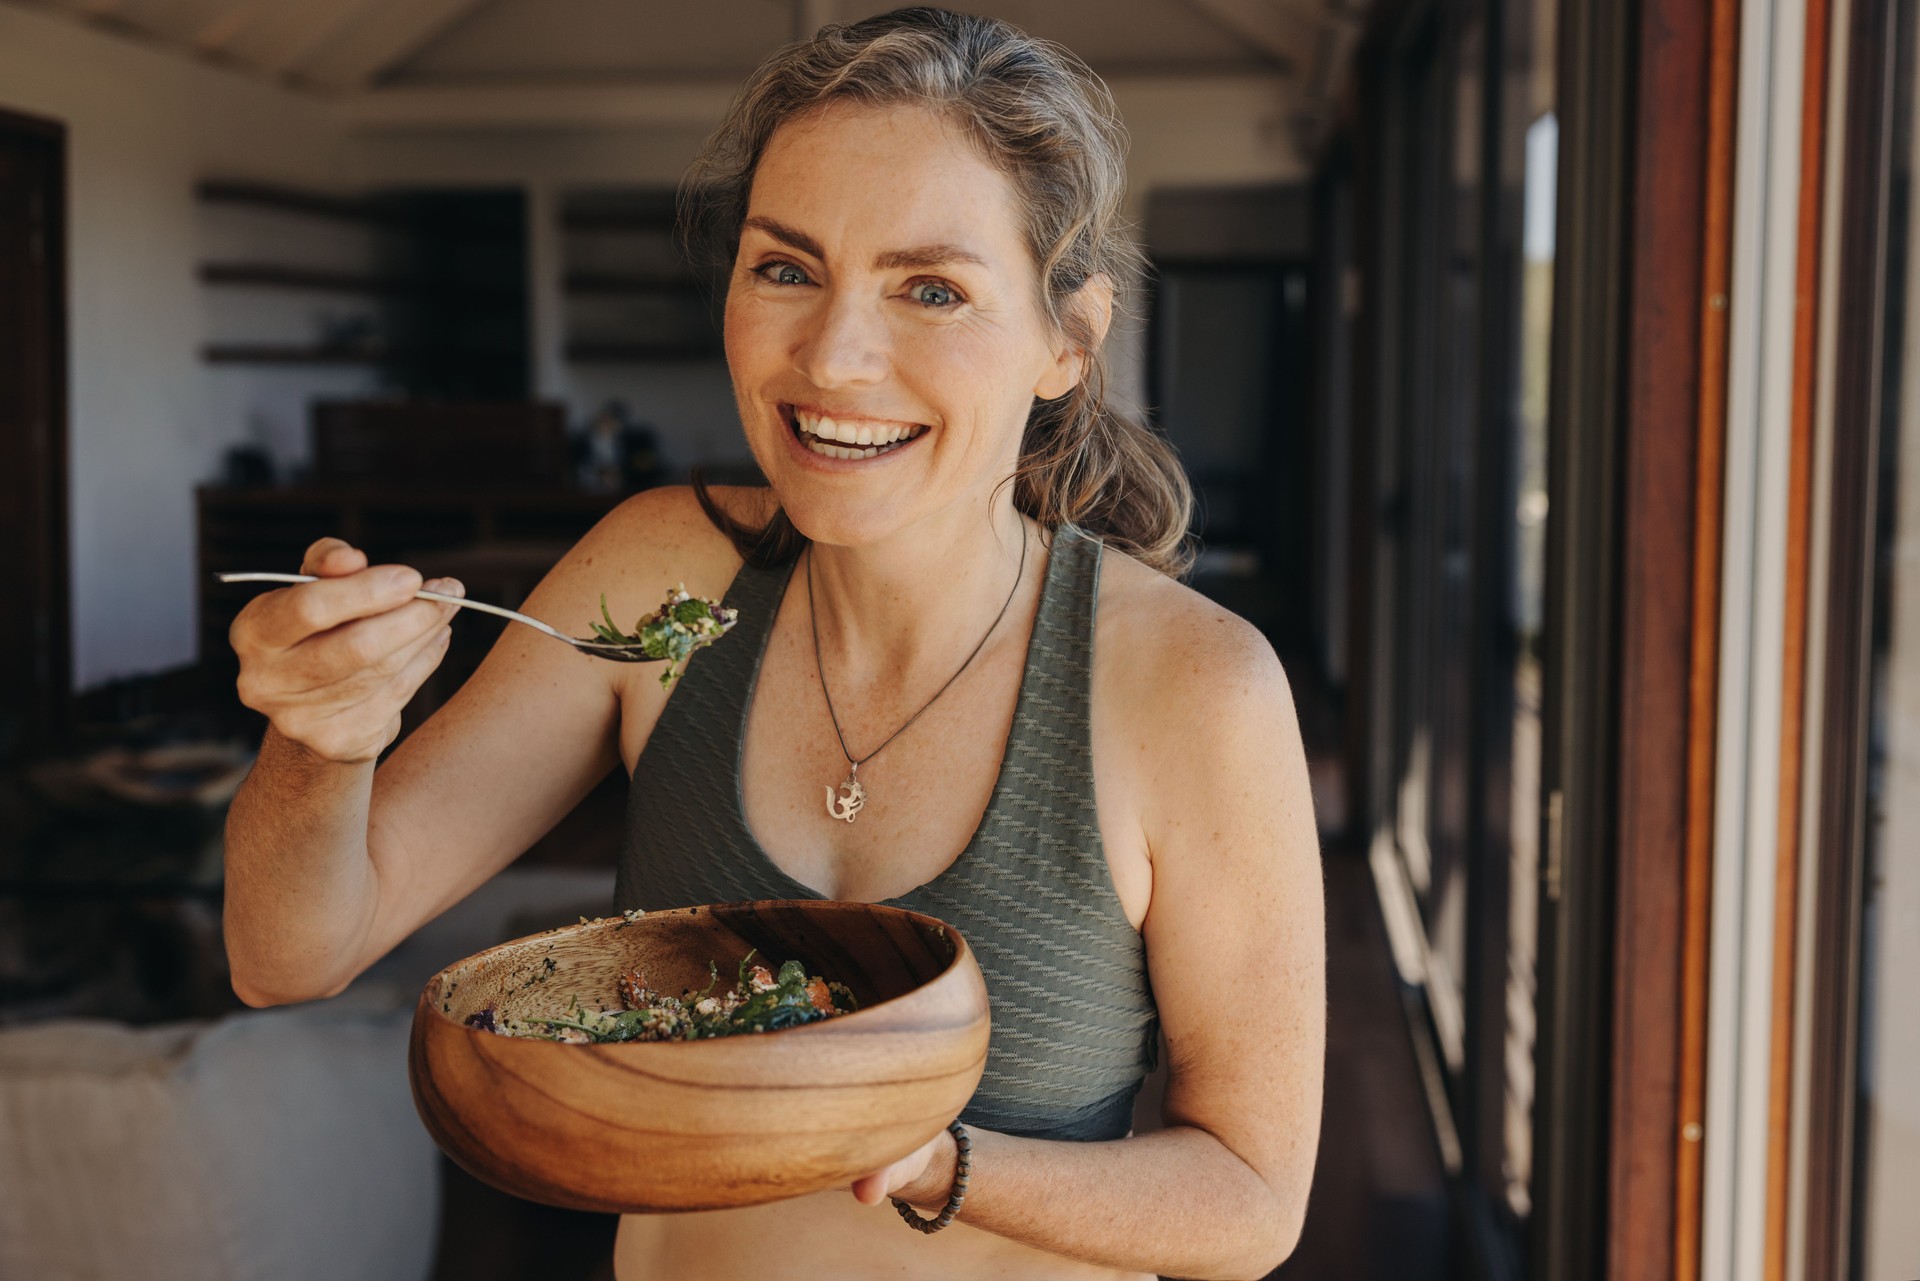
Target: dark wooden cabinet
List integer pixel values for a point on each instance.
(270, 527)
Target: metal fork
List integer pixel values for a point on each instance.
(597, 648)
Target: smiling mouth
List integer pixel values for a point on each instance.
(850, 439)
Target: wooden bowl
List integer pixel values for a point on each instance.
(640, 1127)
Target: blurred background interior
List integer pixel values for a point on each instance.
(1539, 364)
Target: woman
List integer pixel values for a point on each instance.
(964, 680)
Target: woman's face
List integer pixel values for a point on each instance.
(883, 327)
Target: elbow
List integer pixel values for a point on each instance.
(259, 997)
(262, 997)
(262, 993)
(1273, 1247)
(1284, 1241)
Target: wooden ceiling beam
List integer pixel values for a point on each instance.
(382, 36)
(217, 35)
(1281, 36)
(278, 37)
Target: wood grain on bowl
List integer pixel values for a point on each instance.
(639, 1127)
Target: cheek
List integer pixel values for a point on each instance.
(744, 331)
(980, 378)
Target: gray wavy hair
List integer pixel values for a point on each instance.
(1040, 115)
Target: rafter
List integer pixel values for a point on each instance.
(1281, 37)
(218, 35)
(276, 37)
(382, 37)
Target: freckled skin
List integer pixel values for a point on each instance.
(330, 864)
(861, 337)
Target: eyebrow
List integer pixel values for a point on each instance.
(918, 258)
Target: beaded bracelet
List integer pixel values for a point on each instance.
(962, 1170)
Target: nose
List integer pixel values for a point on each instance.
(844, 343)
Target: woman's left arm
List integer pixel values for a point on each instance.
(1235, 939)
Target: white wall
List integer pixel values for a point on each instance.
(148, 420)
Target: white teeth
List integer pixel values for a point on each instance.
(868, 438)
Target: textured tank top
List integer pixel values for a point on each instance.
(1074, 1025)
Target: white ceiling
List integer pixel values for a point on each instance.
(344, 46)
(435, 63)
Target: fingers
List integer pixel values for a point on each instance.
(357, 717)
(372, 648)
(282, 619)
(332, 662)
(333, 558)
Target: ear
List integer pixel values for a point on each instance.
(1093, 303)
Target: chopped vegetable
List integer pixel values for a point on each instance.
(761, 1001)
(683, 623)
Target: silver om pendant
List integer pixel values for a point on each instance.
(847, 803)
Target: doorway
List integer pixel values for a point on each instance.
(35, 625)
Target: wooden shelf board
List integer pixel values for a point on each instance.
(636, 353)
(267, 354)
(343, 282)
(616, 220)
(293, 200)
(607, 282)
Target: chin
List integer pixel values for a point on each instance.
(842, 520)
(840, 489)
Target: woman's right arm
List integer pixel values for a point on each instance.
(330, 864)
(330, 664)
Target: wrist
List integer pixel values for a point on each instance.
(930, 1190)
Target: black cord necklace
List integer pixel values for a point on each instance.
(846, 803)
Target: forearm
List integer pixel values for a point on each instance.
(1176, 1202)
(301, 890)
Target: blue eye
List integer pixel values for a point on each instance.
(933, 294)
(781, 273)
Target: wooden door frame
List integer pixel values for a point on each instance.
(1632, 321)
(1669, 504)
(48, 716)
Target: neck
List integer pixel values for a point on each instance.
(925, 595)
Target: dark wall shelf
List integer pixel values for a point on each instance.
(649, 222)
(641, 353)
(631, 283)
(270, 354)
(633, 302)
(272, 276)
(291, 200)
(447, 280)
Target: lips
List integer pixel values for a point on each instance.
(850, 439)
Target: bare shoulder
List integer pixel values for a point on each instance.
(1197, 721)
(1177, 659)
(654, 541)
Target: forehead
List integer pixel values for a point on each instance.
(884, 177)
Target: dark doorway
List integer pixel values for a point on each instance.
(35, 626)
(1229, 354)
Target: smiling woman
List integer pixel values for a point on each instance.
(1037, 733)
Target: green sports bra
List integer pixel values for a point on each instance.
(1074, 1024)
